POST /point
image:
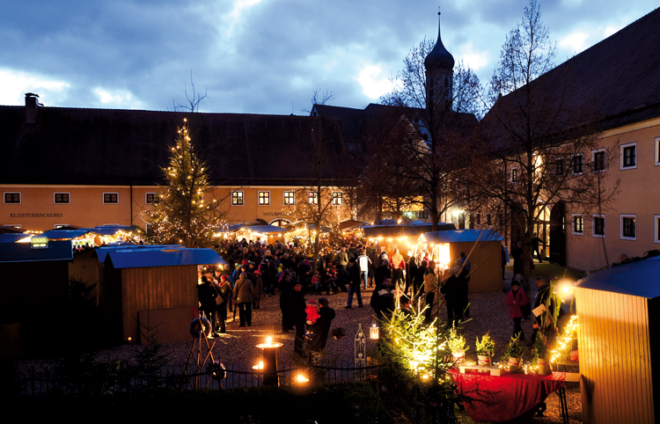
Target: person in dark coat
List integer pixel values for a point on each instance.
(320, 329)
(419, 278)
(206, 294)
(455, 291)
(382, 299)
(543, 297)
(353, 284)
(516, 254)
(410, 275)
(285, 291)
(296, 307)
(405, 306)
(382, 272)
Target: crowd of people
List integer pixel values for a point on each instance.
(258, 269)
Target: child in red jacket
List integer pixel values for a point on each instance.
(514, 300)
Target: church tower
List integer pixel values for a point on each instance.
(439, 66)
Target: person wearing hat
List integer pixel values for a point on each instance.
(514, 300)
(297, 314)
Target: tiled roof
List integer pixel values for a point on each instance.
(620, 75)
(103, 146)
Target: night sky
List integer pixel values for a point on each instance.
(260, 56)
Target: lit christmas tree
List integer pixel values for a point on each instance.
(186, 211)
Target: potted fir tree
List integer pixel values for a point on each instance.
(485, 350)
(456, 344)
(514, 353)
(540, 357)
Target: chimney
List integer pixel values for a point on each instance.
(31, 108)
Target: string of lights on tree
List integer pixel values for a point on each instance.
(181, 214)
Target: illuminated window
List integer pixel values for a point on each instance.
(237, 198)
(628, 227)
(289, 197)
(514, 175)
(152, 198)
(313, 197)
(264, 198)
(12, 197)
(577, 223)
(110, 198)
(63, 198)
(337, 198)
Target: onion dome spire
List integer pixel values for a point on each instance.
(439, 57)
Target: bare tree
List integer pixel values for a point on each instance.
(321, 203)
(537, 138)
(193, 100)
(442, 120)
(319, 98)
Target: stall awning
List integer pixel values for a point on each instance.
(266, 229)
(144, 258)
(67, 234)
(461, 236)
(102, 252)
(372, 231)
(23, 252)
(635, 279)
(351, 224)
(13, 237)
(110, 231)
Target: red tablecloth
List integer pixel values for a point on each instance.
(498, 399)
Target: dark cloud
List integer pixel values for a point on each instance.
(273, 55)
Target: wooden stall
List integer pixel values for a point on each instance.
(34, 283)
(619, 343)
(485, 259)
(158, 283)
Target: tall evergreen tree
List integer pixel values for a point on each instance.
(187, 212)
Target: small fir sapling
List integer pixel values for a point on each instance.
(540, 349)
(514, 349)
(485, 347)
(456, 342)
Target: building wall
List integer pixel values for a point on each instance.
(615, 358)
(39, 212)
(639, 194)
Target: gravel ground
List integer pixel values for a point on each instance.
(238, 346)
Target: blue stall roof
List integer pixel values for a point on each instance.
(143, 258)
(462, 236)
(635, 279)
(23, 252)
(109, 230)
(13, 237)
(102, 252)
(66, 234)
(413, 229)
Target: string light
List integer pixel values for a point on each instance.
(566, 340)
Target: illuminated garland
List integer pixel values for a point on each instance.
(566, 340)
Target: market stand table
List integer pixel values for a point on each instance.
(504, 398)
